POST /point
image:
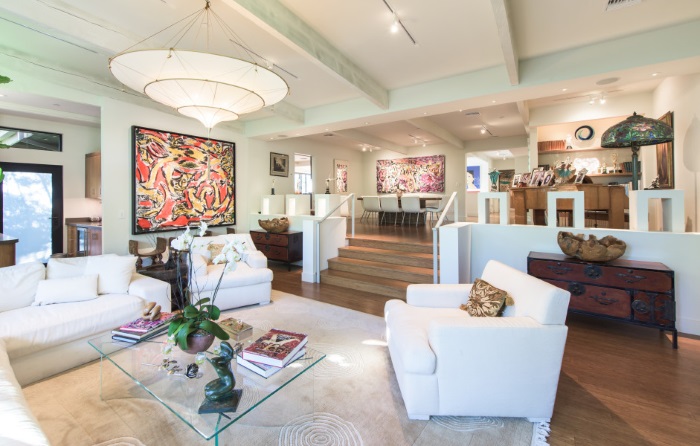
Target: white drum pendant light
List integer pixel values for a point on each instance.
(208, 87)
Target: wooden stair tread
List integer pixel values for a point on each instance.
(380, 265)
(398, 284)
(422, 247)
(388, 252)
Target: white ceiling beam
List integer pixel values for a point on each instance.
(524, 111)
(274, 18)
(289, 111)
(364, 138)
(505, 35)
(434, 129)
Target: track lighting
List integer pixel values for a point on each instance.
(483, 130)
(395, 25)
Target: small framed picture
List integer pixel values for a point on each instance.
(548, 178)
(279, 164)
(579, 178)
(536, 177)
(525, 179)
(516, 180)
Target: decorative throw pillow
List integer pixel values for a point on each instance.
(114, 272)
(69, 289)
(485, 300)
(214, 251)
(59, 268)
(18, 284)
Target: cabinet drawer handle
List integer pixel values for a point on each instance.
(602, 299)
(576, 289)
(631, 278)
(640, 306)
(267, 236)
(593, 271)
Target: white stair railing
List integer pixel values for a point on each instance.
(436, 243)
(317, 254)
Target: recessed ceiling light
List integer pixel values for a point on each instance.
(655, 74)
(2, 95)
(56, 105)
(493, 102)
(564, 89)
(366, 122)
(607, 80)
(425, 113)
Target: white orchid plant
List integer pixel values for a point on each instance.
(200, 315)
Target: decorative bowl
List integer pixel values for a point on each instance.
(276, 225)
(592, 250)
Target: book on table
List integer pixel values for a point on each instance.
(126, 336)
(265, 370)
(143, 325)
(236, 328)
(276, 347)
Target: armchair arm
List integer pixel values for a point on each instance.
(256, 259)
(438, 296)
(151, 290)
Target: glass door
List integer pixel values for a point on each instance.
(31, 199)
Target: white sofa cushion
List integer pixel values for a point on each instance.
(58, 267)
(114, 272)
(69, 289)
(242, 276)
(18, 284)
(17, 424)
(31, 329)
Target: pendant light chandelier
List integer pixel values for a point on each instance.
(197, 83)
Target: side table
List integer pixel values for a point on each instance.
(284, 246)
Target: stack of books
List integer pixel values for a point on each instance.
(141, 329)
(273, 351)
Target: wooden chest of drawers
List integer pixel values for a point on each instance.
(641, 293)
(285, 246)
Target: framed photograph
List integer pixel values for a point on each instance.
(180, 180)
(525, 179)
(505, 180)
(548, 178)
(279, 164)
(579, 178)
(664, 157)
(516, 180)
(341, 176)
(536, 177)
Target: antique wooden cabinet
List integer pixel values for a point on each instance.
(632, 291)
(284, 246)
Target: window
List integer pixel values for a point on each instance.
(30, 139)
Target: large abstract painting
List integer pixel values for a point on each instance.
(181, 180)
(420, 174)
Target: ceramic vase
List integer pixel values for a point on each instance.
(199, 342)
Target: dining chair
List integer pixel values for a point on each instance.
(432, 210)
(370, 205)
(390, 203)
(411, 205)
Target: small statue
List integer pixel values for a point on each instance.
(221, 395)
(655, 184)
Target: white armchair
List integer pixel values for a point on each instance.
(449, 363)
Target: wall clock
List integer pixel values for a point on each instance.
(584, 133)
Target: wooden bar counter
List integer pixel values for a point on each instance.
(7, 250)
(597, 197)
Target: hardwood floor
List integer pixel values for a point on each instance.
(620, 384)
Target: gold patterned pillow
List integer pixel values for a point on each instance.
(214, 250)
(485, 300)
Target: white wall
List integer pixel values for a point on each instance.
(77, 141)
(681, 95)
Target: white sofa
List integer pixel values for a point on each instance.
(92, 296)
(449, 363)
(249, 283)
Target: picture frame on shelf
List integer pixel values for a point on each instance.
(525, 179)
(279, 164)
(579, 178)
(516, 180)
(548, 178)
(536, 177)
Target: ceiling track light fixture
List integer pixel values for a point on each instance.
(598, 99)
(183, 73)
(396, 23)
(418, 140)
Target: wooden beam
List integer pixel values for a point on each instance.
(280, 22)
(510, 57)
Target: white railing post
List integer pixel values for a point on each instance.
(436, 235)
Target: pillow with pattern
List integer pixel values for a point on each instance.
(485, 300)
(215, 250)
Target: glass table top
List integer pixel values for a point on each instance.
(182, 395)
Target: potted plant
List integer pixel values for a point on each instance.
(194, 329)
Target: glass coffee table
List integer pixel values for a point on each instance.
(141, 362)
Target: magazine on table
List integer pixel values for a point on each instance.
(264, 369)
(135, 337)
(276, 347)
(142, 325)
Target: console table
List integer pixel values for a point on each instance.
(636, 292)
(284, 246)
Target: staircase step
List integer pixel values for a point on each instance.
(425, 248)
(365, 283)
(411, 274)
(387, 256)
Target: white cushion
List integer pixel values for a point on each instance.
(32, 329)
(114, 272)
(70, 289)
(243, 275)
(58, 268)
(18, 284)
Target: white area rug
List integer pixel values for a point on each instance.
(354, 400)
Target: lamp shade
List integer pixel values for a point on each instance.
(637, 131)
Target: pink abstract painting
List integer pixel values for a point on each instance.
(420, 174)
